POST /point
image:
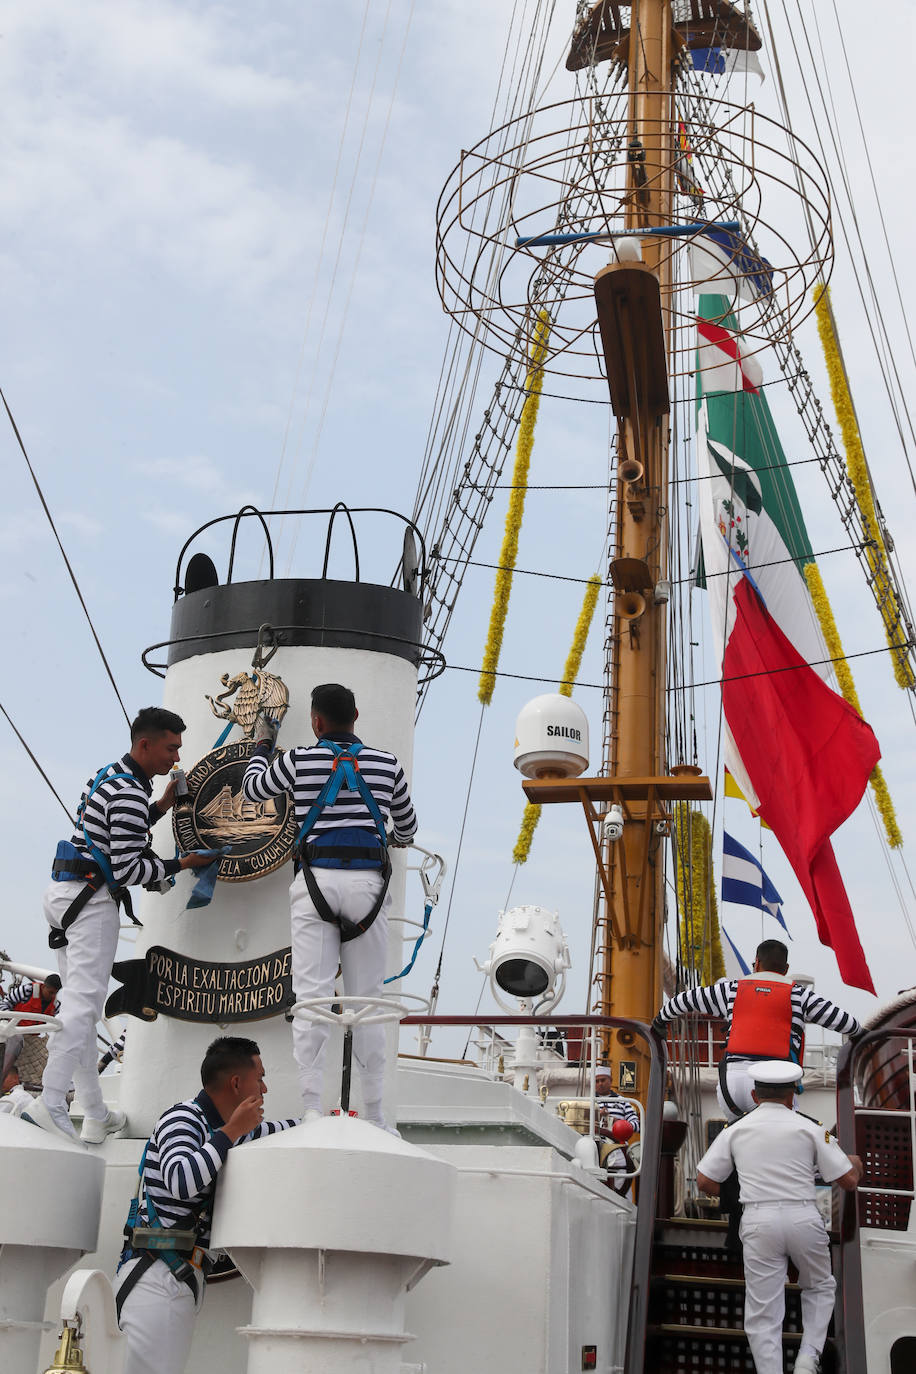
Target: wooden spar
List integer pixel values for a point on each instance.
(629, 936)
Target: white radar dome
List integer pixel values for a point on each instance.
(551, 738)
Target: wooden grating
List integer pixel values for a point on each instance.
(885, 1146)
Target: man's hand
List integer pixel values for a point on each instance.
(660, 1027)
(167, 800)
(247, 1115)
(196, 859)
(265, 729)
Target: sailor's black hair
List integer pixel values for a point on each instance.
(773, 956)
(227, 1055)
(153, 721)
(335, 703)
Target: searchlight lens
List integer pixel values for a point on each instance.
(522, 978)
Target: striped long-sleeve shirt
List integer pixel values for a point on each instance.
(23, 990)
(807, 1006)
(118, 818)
(304, 770)
(183, 1158)
(615, 1108)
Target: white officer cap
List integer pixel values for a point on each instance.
(775, 1072)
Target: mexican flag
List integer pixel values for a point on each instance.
(799, 753)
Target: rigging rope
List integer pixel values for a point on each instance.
(37, 764)
(63, 554)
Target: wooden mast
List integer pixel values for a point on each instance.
(631, 964)
(631, 300)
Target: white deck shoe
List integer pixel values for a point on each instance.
(309, 1115)
(94, 1132)
(807, 1364)
(54, 1120)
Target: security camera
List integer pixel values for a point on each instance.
(612, 827)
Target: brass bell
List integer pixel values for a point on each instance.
(69, 1356)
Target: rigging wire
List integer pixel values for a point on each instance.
(36, 763)
(689, 686)
(63, 554)
(464, 818)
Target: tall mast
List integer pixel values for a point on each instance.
(630, 962)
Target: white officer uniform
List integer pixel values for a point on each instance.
(777, 1153)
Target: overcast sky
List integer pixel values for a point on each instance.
(167, 173)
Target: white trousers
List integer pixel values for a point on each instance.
(740, 1084)
(772, 1234)
(317, 951)
(740, 1087)
(85, 968)
(158, 1320)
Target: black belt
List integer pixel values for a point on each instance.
(79, 868)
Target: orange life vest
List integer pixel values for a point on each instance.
(34, 1003)
(761, 1018)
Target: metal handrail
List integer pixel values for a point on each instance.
(851, 1302)
(638, 1316)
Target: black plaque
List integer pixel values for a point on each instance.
(626, 1076)
(191, 990)
(214, 814)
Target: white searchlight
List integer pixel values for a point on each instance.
(528, 959)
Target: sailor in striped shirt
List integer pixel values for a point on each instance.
(187, 1149)
(117, 817)
(348, 893)
(766, 1014)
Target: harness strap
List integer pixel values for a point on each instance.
(348, 929)
(730, 1102)
(57, 937)
(146, 1261)
(344, 770)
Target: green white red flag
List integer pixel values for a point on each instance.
(799, 753)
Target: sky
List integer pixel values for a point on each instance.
(217, 239)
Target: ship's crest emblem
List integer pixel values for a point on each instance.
(215, 813)
(254, 692)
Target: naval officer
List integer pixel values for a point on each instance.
(766, 1014)
(109, 852)
(345, 794)
(159, 1291)
(777, 1153)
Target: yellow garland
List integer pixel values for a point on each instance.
(857, 470)
(530, 818)
(879, 787)
(580, 635)
(509, 552)
(694, 865)
(532, 813)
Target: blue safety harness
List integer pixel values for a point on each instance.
(70, 866)
(351, 847)
(149, 1243)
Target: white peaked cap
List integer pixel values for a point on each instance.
(776, 1071)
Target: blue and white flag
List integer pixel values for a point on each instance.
(720, 258)
(724, 61)
(736, 951)
(744, 881)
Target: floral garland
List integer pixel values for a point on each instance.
(857, 470)
(534, 384)
(532, 812)
(822, 606)
(696, 894)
